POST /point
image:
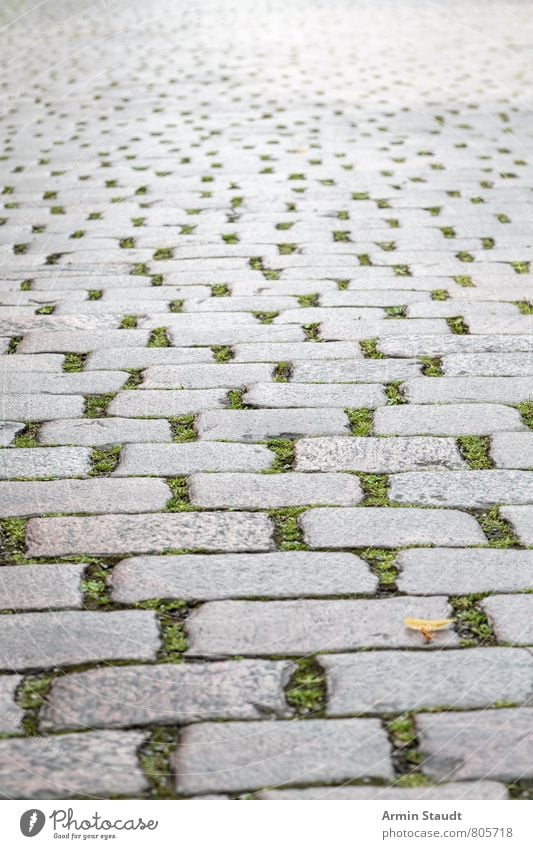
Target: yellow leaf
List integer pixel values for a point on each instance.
(427, 627)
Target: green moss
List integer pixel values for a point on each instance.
(163, 253)
(487, 243)
(13, 539)
(364, 259)
(26, 285)
(127, 243)
(393, 222)
(287, 248)
(342, 285)
(96, 405)
(361, 421)
(154, 759)
(284, 451)
(439, 295)
(47, 309)
(475, 450)
(458, 325)
(235, 399)
(396, 312)
(104, 461)
(157, 279)
(13, 344)
(285, 225)
(464, 256)
(183, 429)
(502, 218)
(159, 338)
(394, 393)
(375, 488)
(230, 238)
(29, 437)
(369, 349)
(94, 587)
(220, 290)
(31, 696)
(179, 502)
(128, 322)
(176, 305)
(308, 300)
(282, 372)
(222, 353)
(306, 691)
(94, 294)
(521, 267)
(288, 535)
(140, 268)
(498, 531)
(265, 317)
(382, 564)
(360, 196)
(312, 332)
(471, 622)
(341, 236)
(526, 411)
(448, 232)
(412, 779)
(432, 366)
(135, 379)
(402, 734)
(401, 270)
(525, 307)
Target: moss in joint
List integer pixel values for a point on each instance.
(471, 622)
(284, 451)
(369, 349)
(432, 366)
(96, 405)
(104, 461)
(94, 587)
(265, 317)
(220, 290)
(154, 759)
(13, 344)
(288, 534)
(361, 421)
(312, 332)
(396, 312)
(306, 691)
(282, 372)
(475, 450)
(394, 393)
(74, 362)
(30, 697)
(235, 399)
(135, 379)
(402, 734)
(128, 322)
(526, 411)
(382, 564)
(179, 503)
(183, 429)
(159, 338)
(464, 281)
(375, 488)
(29, 437)
(13, 540)
(176, 305)
(308, 300)
(222, 353)
(458, 325)
(498, 531)
(439, 295)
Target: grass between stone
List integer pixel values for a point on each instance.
(498, 531)
(96, 405)
(361, 421)
(74, 362)
(471, 622)
(104, 461)
(179, 503)
(222, 353)
(306, 690)
(369, 349)
(159, 338)
(475, 450)
(13, 540)
(154, 760)
(30, 696)
(284, 451)
(288, 534)
(183, 429)
(382, 565)
(29, 436)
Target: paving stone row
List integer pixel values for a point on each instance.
(266, 345)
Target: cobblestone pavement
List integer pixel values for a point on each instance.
(266, 329)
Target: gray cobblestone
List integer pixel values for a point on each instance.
(48, 585)
(366, 454)
(205, 376)
(288, 395)
(448, 419)
(44, 462)
(463, 571)
(10, 713)
(102, 432)
(34, 498)
(512, 450)
(156, 403)
(256, 491)
(41, 408)
(440, 792)
(511, 618)
(192, 457)
(474, 488)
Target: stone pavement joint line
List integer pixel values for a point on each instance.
(266, 373)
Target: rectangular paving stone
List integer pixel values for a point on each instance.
(388, 527)
(123, 533)
(186, 458)
(82, 383)
(41, 408)
(288, 351)
(473, 488)
(451, 790)
(258, 425)
(368, 454)
(44, 462)
(101, 432)
(511, 617)
(230, 334)
(449, 390)
(10, 713)
(349, 371)
(167, 694)
(429, 571)
(432, 346)
(97, 764)
(144, 357)
(98, 495)
(446, 419)
(156, 403)
(335, 329)
(266, 491)
(512, 450)
(397, 681)
(202, 376)
(315, 395)
(238, 756)
(47, 585)
(81, 341)
(504, 364)
(489, 744)
(287, 574)
(220, 628)
(42, 640)
(521, 519)
(50, 363)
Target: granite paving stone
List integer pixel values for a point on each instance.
(489, 744)
(256, 491)
(186, 458)
(102, 432)
(383, 455)
(288, 574)
(44, 462)
(287, 395)
(44, 586)
(155, 403)
(348, 371)
(446, 420)
(41, 407)
(11, 714)
(479, 790)
(97, 764)
(258, 425)
(168, 694)
(512, 450)
(68, 637)
(99, 495)
(521, 520)
(8, 431)
(472, 678)
(448, 390)
(123, 533)
(205, 376)
(511, 617)
(267, 628)
(442, 571)
(238, 756)
(474, 488)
